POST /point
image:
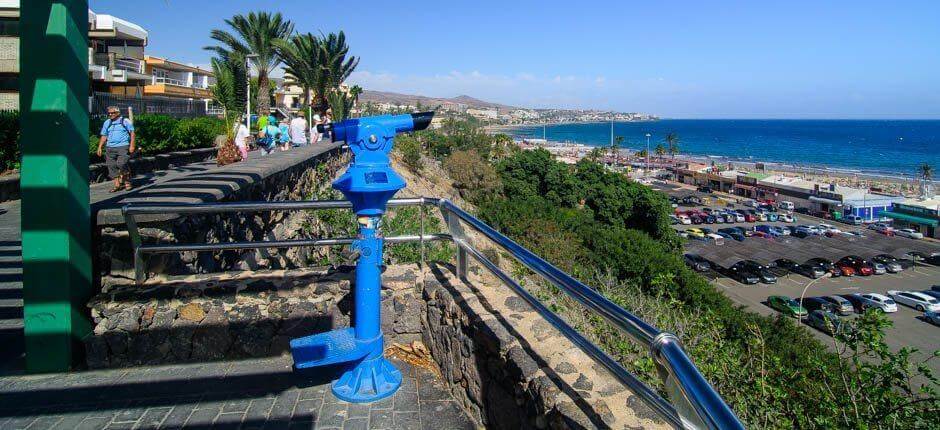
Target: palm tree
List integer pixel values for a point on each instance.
(925, 171)
(254, 38)
(340, 103)
(301, 57)
(660, 150)
(672, 144)
(229, 88)
(333, 51)
(354, 92)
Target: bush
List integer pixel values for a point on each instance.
(154, 133)
(410, 150)
(10, 139)
(196, 133)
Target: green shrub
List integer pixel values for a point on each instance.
(410, 150)
(9, 140)
(154, 133)
(196, 133)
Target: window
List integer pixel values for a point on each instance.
(9, 83)
(9, 27)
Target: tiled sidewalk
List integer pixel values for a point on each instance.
(251, 394)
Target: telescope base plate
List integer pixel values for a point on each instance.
(372, 379)
(337, 346)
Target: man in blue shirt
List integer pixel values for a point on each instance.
(117, 136)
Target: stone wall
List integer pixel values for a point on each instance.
(506, 365)
(298, 181)
(246, 314)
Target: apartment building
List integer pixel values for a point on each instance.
(117, 62)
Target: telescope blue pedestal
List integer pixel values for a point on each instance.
(368, 184)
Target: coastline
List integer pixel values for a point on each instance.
(889, 182)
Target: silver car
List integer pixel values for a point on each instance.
(932, 317)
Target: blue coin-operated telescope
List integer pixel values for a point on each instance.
(368, 183)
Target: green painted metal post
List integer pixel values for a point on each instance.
(54, 180)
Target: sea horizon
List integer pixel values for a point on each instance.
(878, 147)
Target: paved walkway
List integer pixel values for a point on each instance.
(191, 183)
(252, 394)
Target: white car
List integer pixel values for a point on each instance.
(786, 218)
(879, 301)
(909, 233)
(685, 220)
(826, 228)
(919, 301)
(716, 239)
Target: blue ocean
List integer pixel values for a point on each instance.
(888, 147)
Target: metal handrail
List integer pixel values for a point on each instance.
(696, 403)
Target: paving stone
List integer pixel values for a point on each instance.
(405, 401)
(431, 388)
(240, 405)
(284, 406)
(446, 415)
(332, 415)
(46, 422)
(357, 424)
(153, 417)
(382, 419)
(202, 417)
(307, 408)
(19, 423)
(229, 421)
(358, 410)
(408, 421)
(178, 415)
(259, 409)
(96, 423)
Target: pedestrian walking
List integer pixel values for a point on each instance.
(118, 141)
(314, 133)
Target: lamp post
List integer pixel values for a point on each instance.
(248, 89)
(647, 170)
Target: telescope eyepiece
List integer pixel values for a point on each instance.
(422, 120)
(323, 128)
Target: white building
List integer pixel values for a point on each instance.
(483, 113)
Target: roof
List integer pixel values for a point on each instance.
(911, 218)
(756, 175)
(932, 203)
(173, 65)
(121, 27)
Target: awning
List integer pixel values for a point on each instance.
(822, 200)
(911, 218)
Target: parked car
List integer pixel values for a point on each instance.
(696, 219)
(756, 268)
(879, 301)
(932, 317)
(818, 303)
(706, 190)
(909, 233)
(695, 233)
(858, 303)
(697, 262)
(826, 322)
(780, 230)
(748, 216)
(786, 306)
(828, 230)
(738, 216)
(710, 219)
(785, 205)
(878, 268)
(807, 270)
(843, 306)
(919, 301)
(743, 276)
(809, 229)
(932, 293)
(860, 265)
(882, 228)
(771, 216)
(786, 218)
(766, 229)
(826, 265)
(684, 220)
(714, 238)
(852, 219)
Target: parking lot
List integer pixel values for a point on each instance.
(909, 329)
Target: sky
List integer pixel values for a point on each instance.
(678, 59)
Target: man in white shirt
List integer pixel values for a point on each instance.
(298, 131)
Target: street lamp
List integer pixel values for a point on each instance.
(647, 172)
(248, 88)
